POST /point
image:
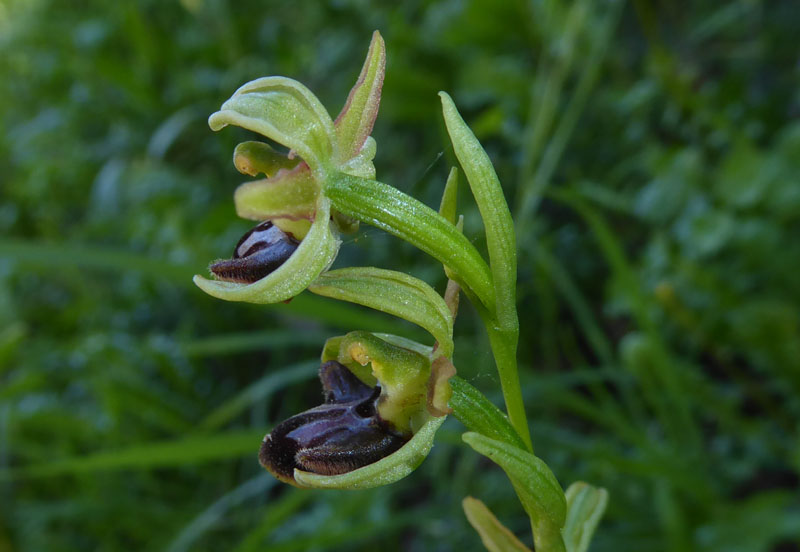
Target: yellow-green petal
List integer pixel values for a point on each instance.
(290, 194)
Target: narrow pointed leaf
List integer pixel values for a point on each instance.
(480, 415)
(449, 203)
(290, 194)
(585, 506)
(314, 255)
(393, 292)
(254, 158)
(383, 472)
(538, 489)
(354, 124)
(285, 111)
(411, 220)
(492, 204)
(495, 536)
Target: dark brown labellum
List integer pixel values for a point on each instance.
(259, 253)
(339, 436)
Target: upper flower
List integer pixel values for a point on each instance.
(301, 239)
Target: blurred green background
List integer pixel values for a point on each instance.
(650, 152)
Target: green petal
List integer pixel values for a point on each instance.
(585, 507)
(285, 111)
(354, 123)
(494, 535)
(290, 194)
(392, 292)
(383, 472)
(254, 158)
(537, 487)
(314, 255)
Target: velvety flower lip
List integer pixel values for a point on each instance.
(259, 253)
(341, 435)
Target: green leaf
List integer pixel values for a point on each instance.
(411, 220)
(354, 123)
(314, 255)
(536, 486)
(383, 472)
(392, 292)
(488, 193)
(285, 111)
(254, 158)
(585, 507)
(480, 415)
(291, 194)
(495, 536)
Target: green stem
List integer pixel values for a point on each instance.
(504, 349)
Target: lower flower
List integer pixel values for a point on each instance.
(383, 402)
(341, 435)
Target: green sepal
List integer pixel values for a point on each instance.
(480, 415)
(494, 535)
(536, 486)
(391, 210)
(290, 194)
(388, 470)
(354, 123)
(313, 256)
(483, 181)
(392, 292)
(402, 373)
(285, 111)
(585, 506)
(254, 158)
